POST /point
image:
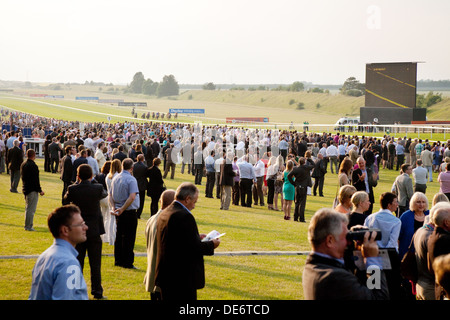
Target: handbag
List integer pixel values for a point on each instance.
(408, 265)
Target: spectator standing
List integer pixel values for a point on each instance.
(300, 177)
(165, 200)
(54, 150)
(15, 160)
(210, 174)
(31, 187)
(179, 265)
(363, 179)
(155, 185)
(140, 173)
(66, 281)
(420, 175)
(226, 181)
(444, 181)
(258, 194)
(124, 201)
(247, 177)
(86, 194)
(403, 188)
(427, 160)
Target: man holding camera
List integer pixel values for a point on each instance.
(325, 277)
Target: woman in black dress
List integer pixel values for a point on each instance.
(155, 185)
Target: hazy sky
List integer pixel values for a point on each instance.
(220, 41)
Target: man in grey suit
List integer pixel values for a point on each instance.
(325, 277)
(403, 188)
(15, 159)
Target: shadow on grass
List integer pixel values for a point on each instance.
(241, 293)
(253, 270)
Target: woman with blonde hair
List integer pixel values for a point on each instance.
(412, 220)
(361, 203)
(110, 220)
(345, 199)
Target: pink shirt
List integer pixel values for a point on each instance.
(444, 179)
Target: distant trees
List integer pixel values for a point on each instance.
(167, 87)
(425, 101)
(138, 81)
(209, 86)
(149, 87)
(297, 86)
(353, 87)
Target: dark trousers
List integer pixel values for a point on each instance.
(400, 160)
(198, 174)
(154, 206)
(420, 188)
(258, 193)
(125, 238)
(270, 191)
(15, 179)
(66, 185)
(246, 192)
(93, 247)
(236, 194)
(318, 182)
(141, 203)
(300, 203)
(54, 164)
(178, 293)
(47, 163)
(210, 179)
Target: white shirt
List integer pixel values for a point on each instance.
(332, 151)
(259, 168)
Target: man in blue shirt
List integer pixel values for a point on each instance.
(400, 152)
(124, 198)
(247, 177)
(57, 273)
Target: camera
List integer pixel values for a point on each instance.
(357, 233)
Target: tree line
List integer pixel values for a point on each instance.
(167, 87)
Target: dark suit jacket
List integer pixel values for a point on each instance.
(78, 161)
(226, 174)
(320, 169)
(67, 169)
(54, 150)
(140, 173)
(15, 158)
(327, 279)
(120, 155)
(302, 175)
(179, 264)
(360, 185)
(30, 177)
(156, 182)
(87, 195)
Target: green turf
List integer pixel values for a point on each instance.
(227, 277)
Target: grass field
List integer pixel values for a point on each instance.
(247, 229)
(227, 277)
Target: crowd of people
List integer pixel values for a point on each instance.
(108, 169)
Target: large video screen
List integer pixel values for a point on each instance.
(391, 84)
